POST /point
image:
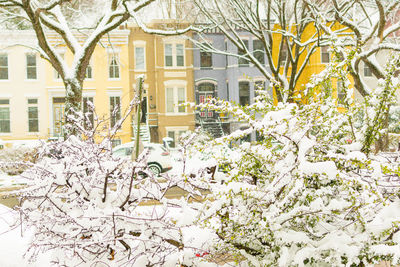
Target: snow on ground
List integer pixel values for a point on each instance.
(13, 244)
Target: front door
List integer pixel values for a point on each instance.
(206, 91)
(58, 115)
(204, 98)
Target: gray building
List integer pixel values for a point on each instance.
(226, 77)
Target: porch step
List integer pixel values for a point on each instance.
(144, 132)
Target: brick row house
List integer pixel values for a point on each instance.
(32, 95)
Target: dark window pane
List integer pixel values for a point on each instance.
(31, 67)
(244, 93)
(205, 59)
(258, 50)
(4, 119)
(325, 57)
(33, 117)
(367, 71)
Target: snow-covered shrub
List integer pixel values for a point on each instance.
(303, 194)
(16, 160)
(87, 206)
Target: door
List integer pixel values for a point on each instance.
(58, 115)
(206, 91)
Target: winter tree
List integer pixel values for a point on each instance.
(79, 24)
(285, 30)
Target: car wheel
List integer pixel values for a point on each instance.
(154, 168)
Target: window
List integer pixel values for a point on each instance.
(244, 93)
(31, 67)
(4, 67)
(139, 58)
(367, 71)
(4, 115)
(33, 115)
(325, 57)
(88, 112)
(175, 135)
(113, 68)
(341, 94)
(179, 55)
(241, 52)
(205, 58)
(174, 55)
(175, 97)
(89, 71)
(168, 55)
(258, 51)
(115, 109)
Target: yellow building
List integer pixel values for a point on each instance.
(167, 63)
(317, 62)
(107, 86)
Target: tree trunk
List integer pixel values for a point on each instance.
(382, 144)
(73, 105)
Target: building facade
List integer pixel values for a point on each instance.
(23, 98)
(226, 77)
(167, 64)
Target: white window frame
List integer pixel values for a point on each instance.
(9, 114)
(120, 109)
(175, 55)
(111, 56)
(27, 67)
(33, 105)
(6, 67)
(139, 44)
(175, 96)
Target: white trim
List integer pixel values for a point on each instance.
(144, 57)
(176, 128)
(113, 92)
(139, 43)
(206, 80)
(244, 80)
(88, 93)
(31, 95)
(175, 82)
(113, 50)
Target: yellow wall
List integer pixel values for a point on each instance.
(101, 87)
(158, 77)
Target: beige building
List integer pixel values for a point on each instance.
(167, 63)
(23, 98)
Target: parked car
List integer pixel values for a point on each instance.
(158, 161)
